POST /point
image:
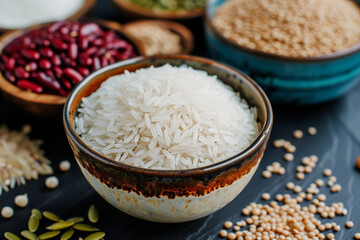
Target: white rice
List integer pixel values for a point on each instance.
(166, 118)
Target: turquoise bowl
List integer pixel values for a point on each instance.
(287, 80)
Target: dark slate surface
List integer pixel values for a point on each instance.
(337, 145)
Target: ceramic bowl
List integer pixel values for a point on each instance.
(187, 39)
(164, 195)
(133, 11)
(47, 105)
(287, 80)
(82, 11)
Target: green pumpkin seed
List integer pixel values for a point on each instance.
(11, 236)
(37, 213)
(29, 235)
(67, 235)
(49, 235)
(60, 225)
(33, 223)
(93, 214)
(51, 216)
(95, 236)
(75, 219)
(85, 227)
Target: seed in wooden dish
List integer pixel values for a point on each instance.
(223, 233)
(327, 172)
(312, 130)
(7, 212)
(265, 196)
(289, 157)
(52, 182)
(228, 224)
(21, 200)
(298, 134)
(349, 224)
(65, 165)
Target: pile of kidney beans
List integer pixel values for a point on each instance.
(55, 58)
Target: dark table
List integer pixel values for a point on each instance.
(337, 144)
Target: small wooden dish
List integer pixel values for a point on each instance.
(82, 11)
(133, 11)
(187, 39)
(46, 105)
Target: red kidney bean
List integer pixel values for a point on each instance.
(64, 93)
(27, 85)
(83, 42)
(9, 76)
(66, 83)
(65, 52)
(109, 36)
(56, 60)
(46, 52)
(68, 38)
(20, 72)
(56, 26)
(73, 50)
(85, 60)
(83, 71)
(44, 64)
(10, 63)
(116, 44)
(65, 30)
(96, 63)
(90, 51)
(97, 42)
(30, 54)
(48, 82)
(58, 44)
(31, 66)
(73, 75)
(58, 71)
(89, 28)
(103, 61)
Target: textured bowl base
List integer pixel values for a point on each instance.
(165, 210)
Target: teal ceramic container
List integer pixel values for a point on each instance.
(287, 80)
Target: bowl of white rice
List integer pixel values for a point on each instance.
(169, 138)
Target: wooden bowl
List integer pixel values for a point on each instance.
(47, 105)
(82, 11)
(187, 39)
(133, 11)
